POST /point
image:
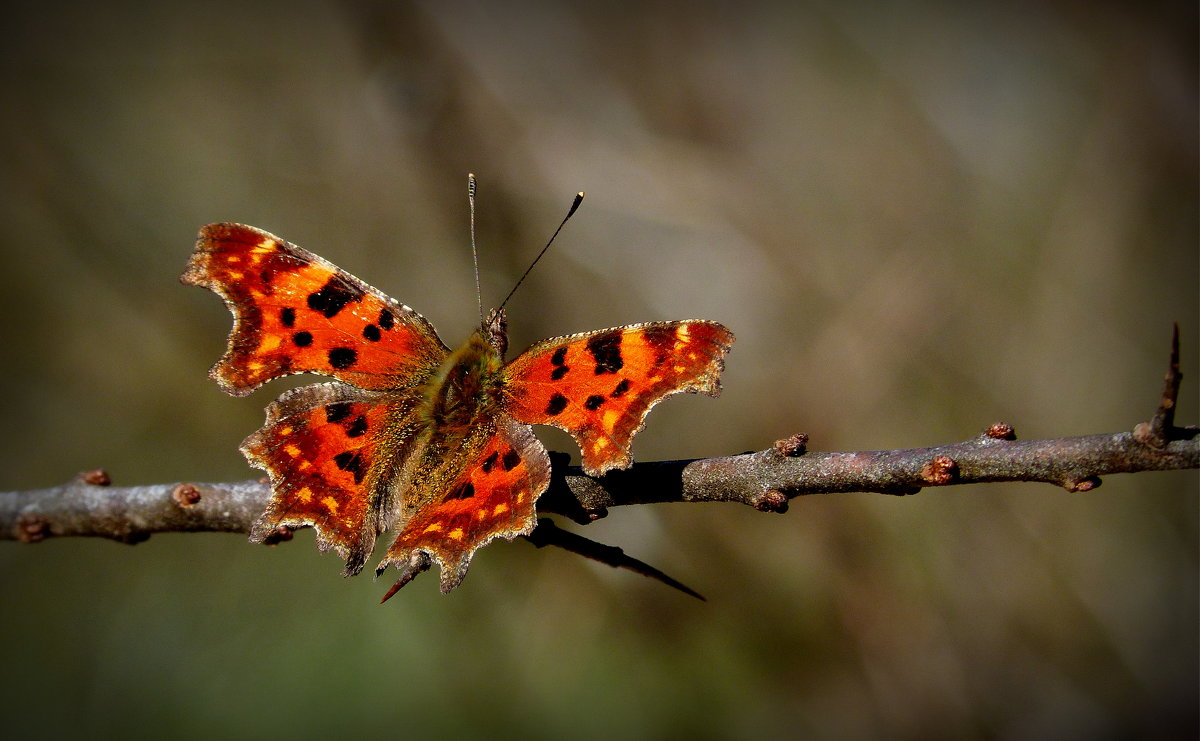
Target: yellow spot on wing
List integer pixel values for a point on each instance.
(291, 450)
(233, 258)
(601, 443)
(304, 494)
(456, 533)
(265, 246)
(269, 343)
(236, 274)
(500, 509)
(330, 504)
(434, 528)
(610, 419)
(285, 431)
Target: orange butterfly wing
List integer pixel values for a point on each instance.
(295, 312)
(331, 451)
(599, 386)
(484, 489)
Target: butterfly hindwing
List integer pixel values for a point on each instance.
(598, 386)
(330, 450)
(295, 312)
(484, 489)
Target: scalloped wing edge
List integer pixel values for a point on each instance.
(196, 274)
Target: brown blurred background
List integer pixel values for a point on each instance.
(919, 218)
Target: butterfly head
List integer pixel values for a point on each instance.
(495, 330)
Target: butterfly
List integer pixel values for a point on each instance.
(410, 435)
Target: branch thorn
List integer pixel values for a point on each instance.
(547, 533)
(420, 561)
(1158, 431)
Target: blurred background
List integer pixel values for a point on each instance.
(920, 218)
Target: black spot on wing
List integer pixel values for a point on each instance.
(621, 388)
(352, 463)
(593, 402)
(342, 358)
(358, 427)
(334, 296)
(606, 349)
(302, 339)
(489, 462)
(371, 333)
(386, 319)
(511, 460)
(558, 402)
(335, 413)
(559, 361)
(464, 491)
(287, 316)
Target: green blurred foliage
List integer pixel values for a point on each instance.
(920, 218)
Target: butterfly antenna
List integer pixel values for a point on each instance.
(570, 212)
(474, 251)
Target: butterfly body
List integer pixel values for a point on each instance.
(465, 389)
(412, 436)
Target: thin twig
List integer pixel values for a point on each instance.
(766, 480)
(547, 533)
(1161, 429)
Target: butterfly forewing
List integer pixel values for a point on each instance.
(598, 386)
(295, 312)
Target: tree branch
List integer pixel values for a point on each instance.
(765, 480)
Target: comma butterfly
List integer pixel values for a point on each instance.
(411, 435)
